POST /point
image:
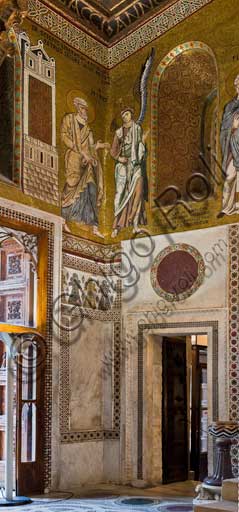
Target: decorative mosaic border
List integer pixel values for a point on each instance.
(109, 57)
(114, 316)
(97, 268)
(89, 249)
(48, 227)
(167, 60)
(17, 111)
(145, 327)
(171, 297)
(234, 334)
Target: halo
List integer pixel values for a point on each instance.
(74, 93)
(230, 87)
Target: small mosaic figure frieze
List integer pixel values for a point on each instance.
(81, 289)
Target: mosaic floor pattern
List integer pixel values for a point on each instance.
(112, 504)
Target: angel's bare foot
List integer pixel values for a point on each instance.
(136, 230)
(97, 232)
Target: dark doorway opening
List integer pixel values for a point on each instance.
(174, 413)
(184, 408)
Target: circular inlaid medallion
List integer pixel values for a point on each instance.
(177, 272)
(137, 501)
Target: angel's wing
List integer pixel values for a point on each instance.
(146, 68)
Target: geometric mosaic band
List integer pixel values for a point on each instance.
(108, 57)
(92, 250)
(234, 333)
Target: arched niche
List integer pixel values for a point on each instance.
(10, 115)
(183, 121)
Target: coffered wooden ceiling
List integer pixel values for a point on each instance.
(111, 20)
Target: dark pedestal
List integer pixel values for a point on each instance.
(223, 469)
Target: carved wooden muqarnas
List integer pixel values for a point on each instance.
(12, 13)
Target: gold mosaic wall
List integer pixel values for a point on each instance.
(215, 28)
(207, 37)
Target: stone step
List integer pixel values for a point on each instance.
(230, 489)
(216, 506)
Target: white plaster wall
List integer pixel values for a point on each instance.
(212, 243)
(141, 304)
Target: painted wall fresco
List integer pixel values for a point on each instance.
(150, 144)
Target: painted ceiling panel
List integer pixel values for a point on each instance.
(111, 20)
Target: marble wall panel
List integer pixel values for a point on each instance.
(88, 379)
(81, 464)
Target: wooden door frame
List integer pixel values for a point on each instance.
(42, 299)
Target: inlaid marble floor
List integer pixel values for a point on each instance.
(106, 505)
(177, 498)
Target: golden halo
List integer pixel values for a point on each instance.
(79, 94)
(230, 87)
